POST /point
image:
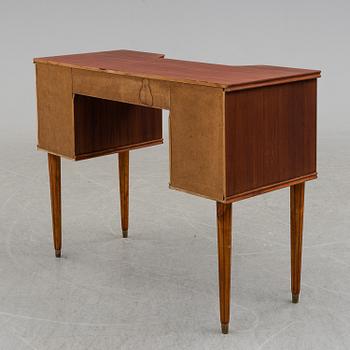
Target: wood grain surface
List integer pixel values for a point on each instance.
(54, 163)
(270, 136)
(296, 236)
(123, 166)
(234, 132)
(104, 125)
(149, 65)
(245, 134)
(224, 228)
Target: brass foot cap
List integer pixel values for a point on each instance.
(295, 298)
(224, 328)
(58, 253)
(125, 233)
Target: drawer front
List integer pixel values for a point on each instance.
(109, 86)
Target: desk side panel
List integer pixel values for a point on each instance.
(196, 140)
(55, 109)
(270, 137)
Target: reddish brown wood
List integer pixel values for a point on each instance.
(296, 236)
(136, 64)
(257, 133)
(100, 58)
(270, 136)
(224, 227)
(269, 188)
(102, 125)
(124, 191)
(54, 163)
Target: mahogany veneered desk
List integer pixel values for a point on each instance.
(234, 131)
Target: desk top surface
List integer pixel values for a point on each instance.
(155, 66)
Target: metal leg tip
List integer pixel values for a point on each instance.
(58, 253)
(224, 328)
(295, 298)
(125, 233)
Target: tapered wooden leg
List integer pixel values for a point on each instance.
(124, 190)
(296, 236)
(55, 193)
(224, 226)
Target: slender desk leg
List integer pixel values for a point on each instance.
(224, 224)
(124, 190)
(296, 236)
(55, 192)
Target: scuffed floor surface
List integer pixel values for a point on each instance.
(158, 289)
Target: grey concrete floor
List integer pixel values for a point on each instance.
(158, 289)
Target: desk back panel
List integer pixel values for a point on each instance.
(270, 136)
(104, 126)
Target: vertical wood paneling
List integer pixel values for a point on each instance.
(270, 135)
(106, 125)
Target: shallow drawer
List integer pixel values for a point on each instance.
(110, 86)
